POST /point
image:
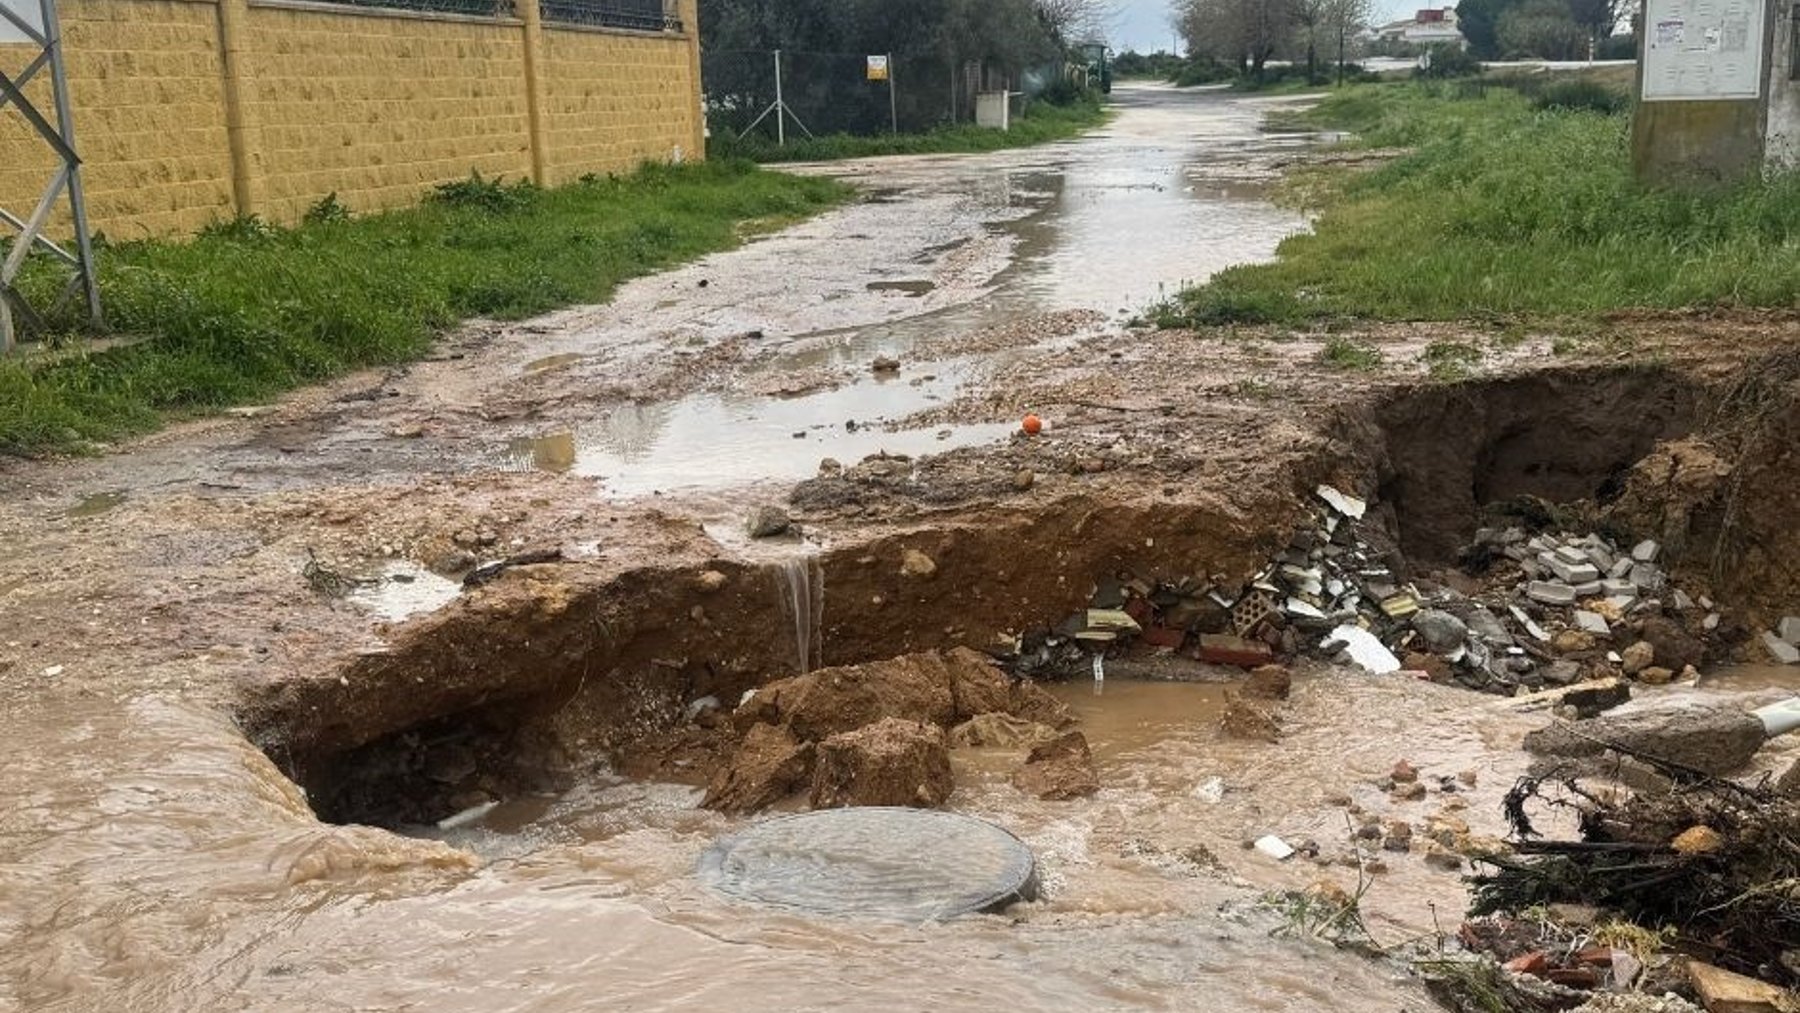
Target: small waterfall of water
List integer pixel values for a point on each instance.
(801, 581)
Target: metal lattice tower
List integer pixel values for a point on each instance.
(35, 23)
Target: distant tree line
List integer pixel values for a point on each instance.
(1549, 29)
(1244, 35)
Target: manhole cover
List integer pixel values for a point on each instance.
(914, 865)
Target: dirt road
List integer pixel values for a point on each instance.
(293, 574)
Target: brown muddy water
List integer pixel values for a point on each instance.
(170, 867)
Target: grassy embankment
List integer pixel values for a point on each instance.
(245, 311)
(1510, 206)
(1042, 122)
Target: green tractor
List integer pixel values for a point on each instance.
(1099, 64)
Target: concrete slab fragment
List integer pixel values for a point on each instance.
(1365, 649)
(1550, 592)
(1592, 622)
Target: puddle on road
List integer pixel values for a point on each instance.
(911, 288)
(403, 590)
(715, 441)
(97, 504)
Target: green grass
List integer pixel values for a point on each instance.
(1508, 206)
(245, 310)
(1041, 123)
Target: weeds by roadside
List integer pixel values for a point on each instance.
(1509, 205)
(247, 309)
(1042, 123)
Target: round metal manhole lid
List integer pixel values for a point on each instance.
(914, 865)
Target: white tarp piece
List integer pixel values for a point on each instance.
(29, 11)
(1703, 50)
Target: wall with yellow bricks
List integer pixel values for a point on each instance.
(375, 106)
(616, 100)
(146, 86)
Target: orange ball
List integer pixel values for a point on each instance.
(1033, 425)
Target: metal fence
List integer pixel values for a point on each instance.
(636, 15)
(835, 93)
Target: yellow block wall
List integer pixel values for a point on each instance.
(146, 87)
(377, 107)
(613, 101)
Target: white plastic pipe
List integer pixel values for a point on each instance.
(1780, 718)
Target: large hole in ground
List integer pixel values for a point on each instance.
(1454, 451)
(547, 678)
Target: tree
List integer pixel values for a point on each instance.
(1599, 18)
(1542, 28)
(1244, 33)
(1347, 19)
(1480, 23)
(1079, 20)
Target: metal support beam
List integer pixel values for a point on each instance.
(59, 136)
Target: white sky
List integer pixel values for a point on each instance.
(1143, 25)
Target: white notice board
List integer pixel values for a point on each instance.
(1696, 50)
(31, 11)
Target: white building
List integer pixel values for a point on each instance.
(1433, 26)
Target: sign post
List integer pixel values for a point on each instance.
(881, 68)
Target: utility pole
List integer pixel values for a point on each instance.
(893, 101)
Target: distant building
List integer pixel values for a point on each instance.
(1432, 26)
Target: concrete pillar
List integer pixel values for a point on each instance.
(242, 135)
(690, 23)
(537, 114)
(1706, 73)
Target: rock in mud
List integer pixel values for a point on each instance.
(1637, 657)
(1714, 740)
(710, 580)
(1246, 717)
(769, 521)
(1269, 682)
(890, 762)
(820, 704)
(916, 564)
(885, 364)
(769, 765)
(1000, 731)
(1060, 769)
(1674, 647)
(1442, 631)
(940, 689)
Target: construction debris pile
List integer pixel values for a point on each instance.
(1549, 611)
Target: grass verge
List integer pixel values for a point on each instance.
(1510, 205)
(1041, 123)
(247, 310)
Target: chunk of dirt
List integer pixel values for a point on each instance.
(1000, 731)
(768, 767)
(1269, 682)
(1713, 740)
(1675, 648)
(891, 762)
(1248, 717)
(942, 689)
(1060, 769)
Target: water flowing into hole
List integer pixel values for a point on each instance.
(801, 581)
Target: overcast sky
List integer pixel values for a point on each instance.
(1144, 24)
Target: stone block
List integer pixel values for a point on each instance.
(1619, 589)
(1592, 622)
(1550, 592)
(1789, 630)
(1783, 652)
(1645, 551)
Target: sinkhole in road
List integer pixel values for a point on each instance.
(558, 673)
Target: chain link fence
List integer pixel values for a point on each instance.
(637, 15)
(833, 93)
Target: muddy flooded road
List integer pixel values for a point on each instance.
(494, 616)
